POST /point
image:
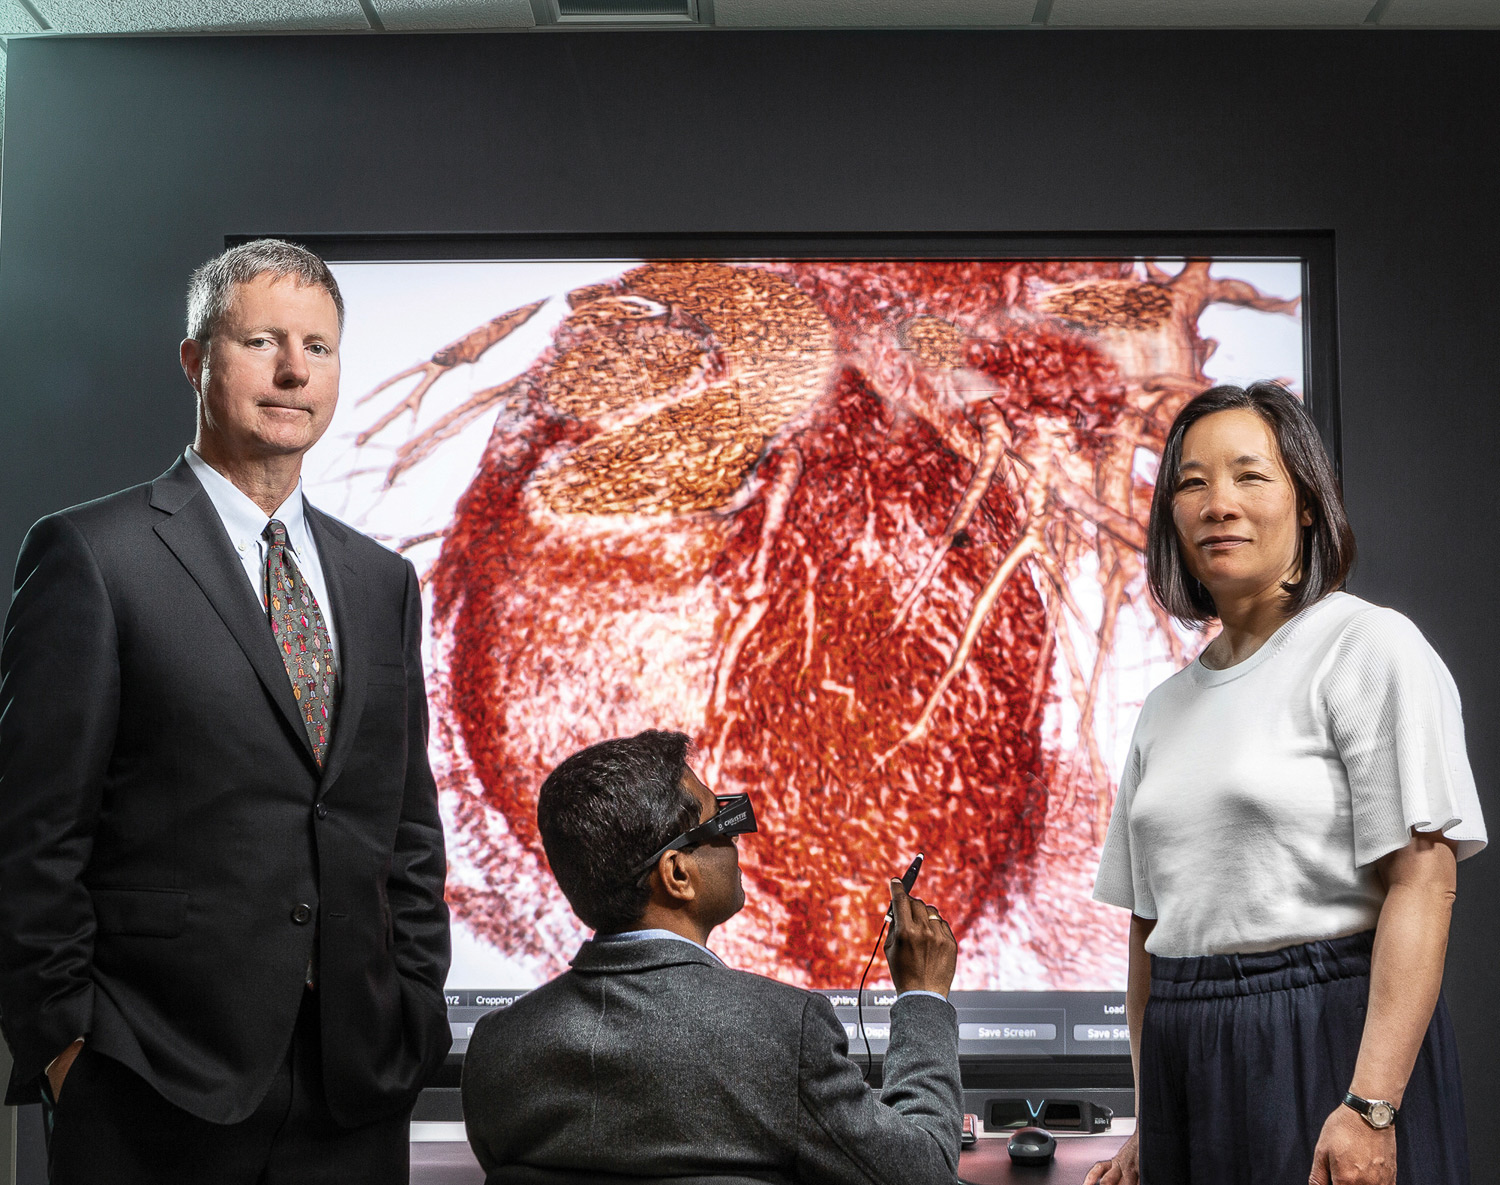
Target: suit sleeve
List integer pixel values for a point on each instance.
(910, 1133)
(59, 705)
(419, 914)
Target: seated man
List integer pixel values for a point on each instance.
(650, 1057)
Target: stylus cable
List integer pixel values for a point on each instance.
(859, 1002)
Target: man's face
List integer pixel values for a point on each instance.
(268, 383)
(719, 861)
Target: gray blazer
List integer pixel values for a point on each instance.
(652, 1058)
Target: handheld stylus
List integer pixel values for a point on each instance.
(908, 879)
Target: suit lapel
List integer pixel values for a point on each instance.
(351, 619)
(197, 538)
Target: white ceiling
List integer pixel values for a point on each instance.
(1209, 13)
(197, 16)
(141, 16)
(454, 14)
(846, 14)
(1443, 13)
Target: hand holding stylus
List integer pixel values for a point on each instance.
(920, 949)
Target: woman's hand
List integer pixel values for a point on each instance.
(1351, 1152)
(1406, 971)
(1124, 1168)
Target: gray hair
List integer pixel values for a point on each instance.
(212, 286)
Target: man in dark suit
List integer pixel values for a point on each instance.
(222, 932)
(651, 1058)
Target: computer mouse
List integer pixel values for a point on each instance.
(1031, 1145)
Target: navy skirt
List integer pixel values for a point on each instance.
(1243, 1057)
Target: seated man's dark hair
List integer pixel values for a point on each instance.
(605, 810)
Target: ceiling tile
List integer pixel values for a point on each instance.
(205, 16)
(1190, 14)
(454, 14)
(15, 19)
(870, 14)
(1449, 13)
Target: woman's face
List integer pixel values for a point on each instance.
(1235, 508)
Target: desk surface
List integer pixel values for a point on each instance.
(988, 1163)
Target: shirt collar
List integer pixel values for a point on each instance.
(242, 518)
(642, 935)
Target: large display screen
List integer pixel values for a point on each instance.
(868, 530)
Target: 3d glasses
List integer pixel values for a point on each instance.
(735, 816)
(1065, 1115)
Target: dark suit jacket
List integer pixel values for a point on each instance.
(652, 1058)
(162, 818)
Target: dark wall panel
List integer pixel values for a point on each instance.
(128, 161)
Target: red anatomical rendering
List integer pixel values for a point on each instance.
(825, 518)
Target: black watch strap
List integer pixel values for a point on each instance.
(1378, 1113)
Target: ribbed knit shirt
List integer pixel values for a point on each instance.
(1257, 798)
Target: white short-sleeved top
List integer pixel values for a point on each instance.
(1256, 799)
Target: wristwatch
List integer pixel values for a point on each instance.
(1378, 1113)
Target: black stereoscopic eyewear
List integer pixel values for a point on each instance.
(735, 816)
(1060, 1115)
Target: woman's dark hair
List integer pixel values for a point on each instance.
(1326, 551)
(605, 810)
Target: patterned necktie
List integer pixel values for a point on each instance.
(299, 629)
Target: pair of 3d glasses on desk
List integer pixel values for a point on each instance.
(1056, 1115)
(735, 816)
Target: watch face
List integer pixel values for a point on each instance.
(1381, 1114)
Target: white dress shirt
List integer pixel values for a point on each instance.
(246, 524)
(642, 935)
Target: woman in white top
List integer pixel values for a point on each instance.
(1285, 836)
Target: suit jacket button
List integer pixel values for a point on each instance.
(322, 809)
(302, 914)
